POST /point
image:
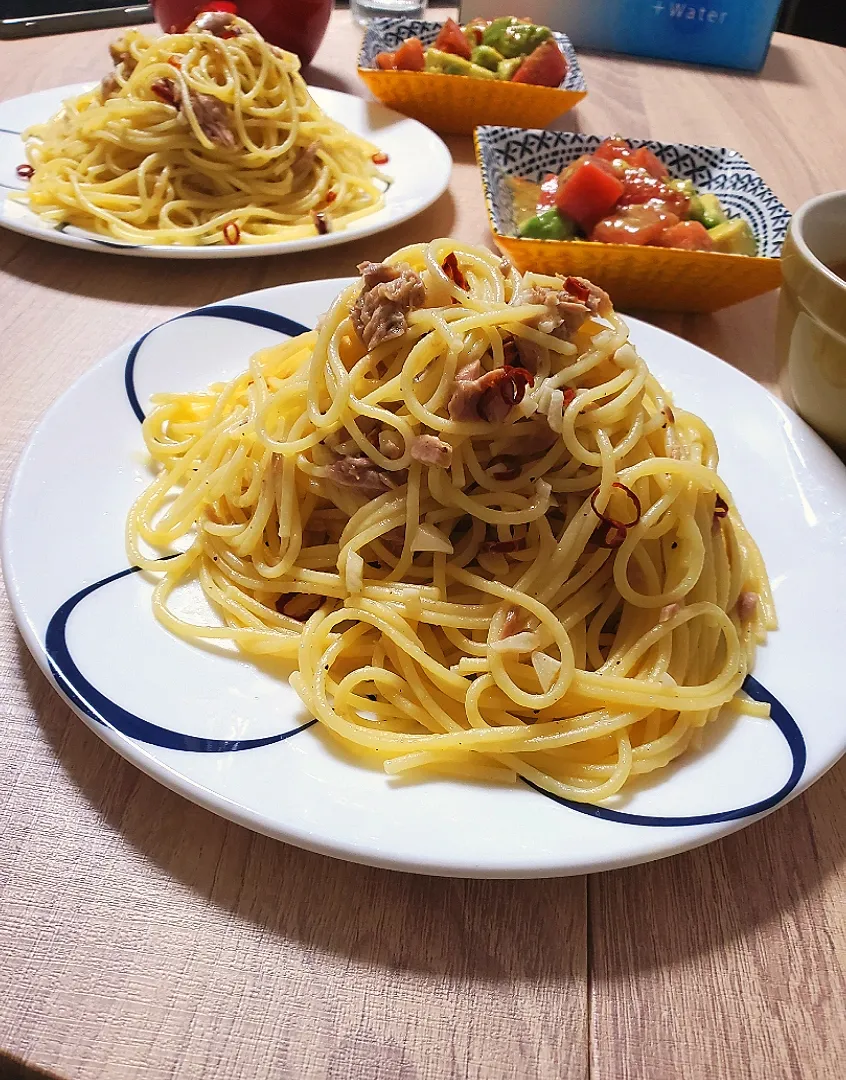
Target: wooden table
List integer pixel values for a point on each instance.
(141, 936)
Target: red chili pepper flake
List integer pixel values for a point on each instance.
(231, 232)
(569, 395)
(25, 172)
(720, 507)
(577, 289)
(502, 386)
(320, 223)
(175, 61)
(502, 547)
(512, 467)
(331, 196)
(617, 530)
(166, 90)
(380, 159)
(451, 269)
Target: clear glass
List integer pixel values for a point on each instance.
(365, 10)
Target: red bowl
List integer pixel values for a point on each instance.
(295, 25)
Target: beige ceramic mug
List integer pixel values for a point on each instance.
(811, 326)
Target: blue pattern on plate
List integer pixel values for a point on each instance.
(531, 153)
(69, 678)
(254, 316)
(793, 737)
(104, 711)
(385, 35)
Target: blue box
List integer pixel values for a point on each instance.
(726, 33)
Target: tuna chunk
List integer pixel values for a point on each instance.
(213, 118)
(566, 307)
(487, 397)
(360, 474)
(122, 56)
(109, 86)
(431, 450)
(211, 113)
(388, 294)
(219, 23)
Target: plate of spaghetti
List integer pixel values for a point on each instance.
(209, 144)
(443, 568)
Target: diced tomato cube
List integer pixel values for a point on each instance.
(676, 202)
(641, 187)
(689, 235)
(386, 61)
(613, 149)
(633, 225)
(568, 170)
(451, 39)
(545, 66)
(588, 193)
(548, 191)
(643, 158)
(409, 56)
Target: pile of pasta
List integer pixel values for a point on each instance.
(201, 138)
(475, 523)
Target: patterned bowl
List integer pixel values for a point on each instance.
(455, 104)
(666, 279)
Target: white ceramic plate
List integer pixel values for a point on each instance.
(419, 164)
(235, 738)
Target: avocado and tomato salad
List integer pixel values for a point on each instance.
(508, 49)
(620, 195)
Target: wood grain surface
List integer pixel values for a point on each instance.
(141, 936)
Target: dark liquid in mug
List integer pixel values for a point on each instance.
(838, 268)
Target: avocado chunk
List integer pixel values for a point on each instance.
(734, 237)
(448, 64)
(548, 225)
(696, 211)
(486, 57)
(508, 68)
(684, 186)
(511, 37)
(711, 213)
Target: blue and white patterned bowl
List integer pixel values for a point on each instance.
(385, 35)
(639, 277)
(455, 104)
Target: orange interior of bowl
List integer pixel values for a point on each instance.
(456, 104)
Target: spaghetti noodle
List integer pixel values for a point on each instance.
(476, 523)
(201, 138)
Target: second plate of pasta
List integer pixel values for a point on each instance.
(411, 170)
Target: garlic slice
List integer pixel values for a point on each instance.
(546, 669)
(526, 641)
(555, 410)
(354, 572)
(430, 538)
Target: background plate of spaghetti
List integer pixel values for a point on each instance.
(493, 555)
(208, 144)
